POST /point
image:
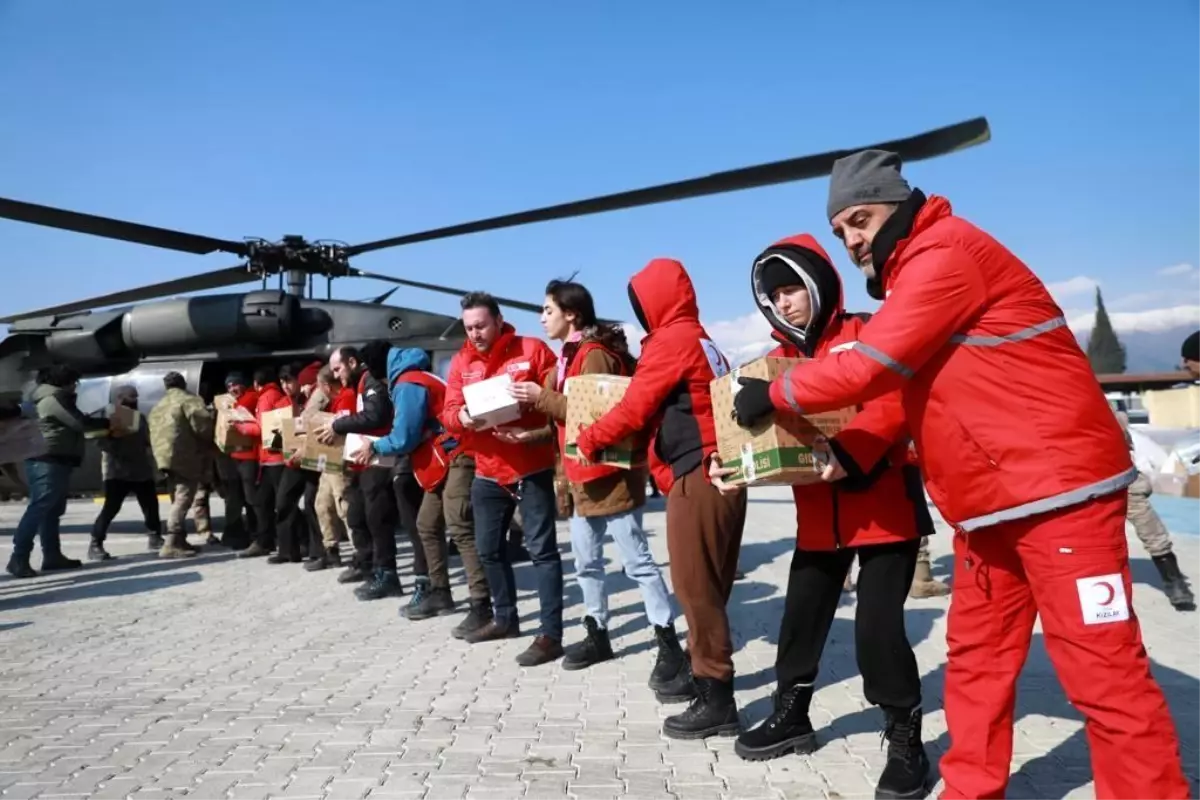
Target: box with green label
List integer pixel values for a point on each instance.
(590, 397)
(777, 450)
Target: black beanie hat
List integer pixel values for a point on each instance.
(777, 273)
(1191, 347)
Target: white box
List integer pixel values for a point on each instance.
(489, 401)
(355, 442)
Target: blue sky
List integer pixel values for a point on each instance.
(361, 120)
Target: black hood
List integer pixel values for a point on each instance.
(810, 265)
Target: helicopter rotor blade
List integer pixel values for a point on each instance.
(216, 279)
(117, 229)
(914, 148)
(504, 301)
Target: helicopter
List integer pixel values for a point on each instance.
(134, 337)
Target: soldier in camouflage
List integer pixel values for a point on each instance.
(181, 436)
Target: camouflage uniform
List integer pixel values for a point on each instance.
(1145, 520)
(181, 436)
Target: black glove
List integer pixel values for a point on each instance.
(752, 403)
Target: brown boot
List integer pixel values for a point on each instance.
(176, 547)
(924, 585)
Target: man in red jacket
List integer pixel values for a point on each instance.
(670, 393)
(270, 397)
(1023, 458)
(240, 474)
(871, 507)
(508, 471)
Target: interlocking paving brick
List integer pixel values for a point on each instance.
(125, 684)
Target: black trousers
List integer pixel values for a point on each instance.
(409, 496)
(379, 504)
(311, 481)
(115, 493)
(885, 658)
(291, 524)
(264, 504)
(356, 520)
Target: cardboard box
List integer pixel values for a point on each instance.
(123, 420)
(272, 428)
(355, 442)
(293, 435)
(490, 402)
(590, 397)
(319, 457)
(227, 438)
(777, 450)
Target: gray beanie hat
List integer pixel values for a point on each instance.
(868, 176)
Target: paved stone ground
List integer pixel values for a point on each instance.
(213, 678)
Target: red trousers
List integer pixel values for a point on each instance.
(1071, 567)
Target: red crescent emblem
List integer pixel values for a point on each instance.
(1112, 593)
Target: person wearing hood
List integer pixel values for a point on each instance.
(608, 500)
(373, 418)
(870, 506)
(269, 397)
(63, 427)
(409, 404)
(1034, 484)
(126, 466)
(669, 397)
(512, 467)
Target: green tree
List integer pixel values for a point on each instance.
(1104, 349)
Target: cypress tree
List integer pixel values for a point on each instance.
(1104, 349)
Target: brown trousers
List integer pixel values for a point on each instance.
(449, 510)
(331, 508)
(704, 536)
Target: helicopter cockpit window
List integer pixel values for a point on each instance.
(93, 395)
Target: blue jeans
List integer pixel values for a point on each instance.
(587, 543)
(494, 506)
(48, 483)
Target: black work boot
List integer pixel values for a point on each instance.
(383, 583)
(787, 730)
(907, 771)
(480, 614)
(57, 561)
(96, 552)
(592, 650)
(1175, 584)
(682, 687)
(20, 568)
(670, 660)
(434, 602)
(155, 541)
(713, 713)
(329, 557)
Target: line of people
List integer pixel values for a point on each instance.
(949, 379)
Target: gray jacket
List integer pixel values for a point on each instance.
(128, 458)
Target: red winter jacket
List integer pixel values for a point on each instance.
(248, 401)
(1005, 411)
(270, 397)
(874, 504)
(670, 389)
(346, 401)
(524, 359)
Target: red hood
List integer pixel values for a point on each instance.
(818, 275)
(662, 294)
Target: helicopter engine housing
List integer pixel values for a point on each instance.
(264, 317)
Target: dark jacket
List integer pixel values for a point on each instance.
(62, 424)
(128, 458)
(375, 418)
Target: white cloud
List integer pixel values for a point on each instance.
(742, 339)
(1155, 319)
(1177, 269)
(1072, 287)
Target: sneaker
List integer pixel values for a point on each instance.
(383, 583)
(96, 552)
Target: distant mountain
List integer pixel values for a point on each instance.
(1149, 351)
